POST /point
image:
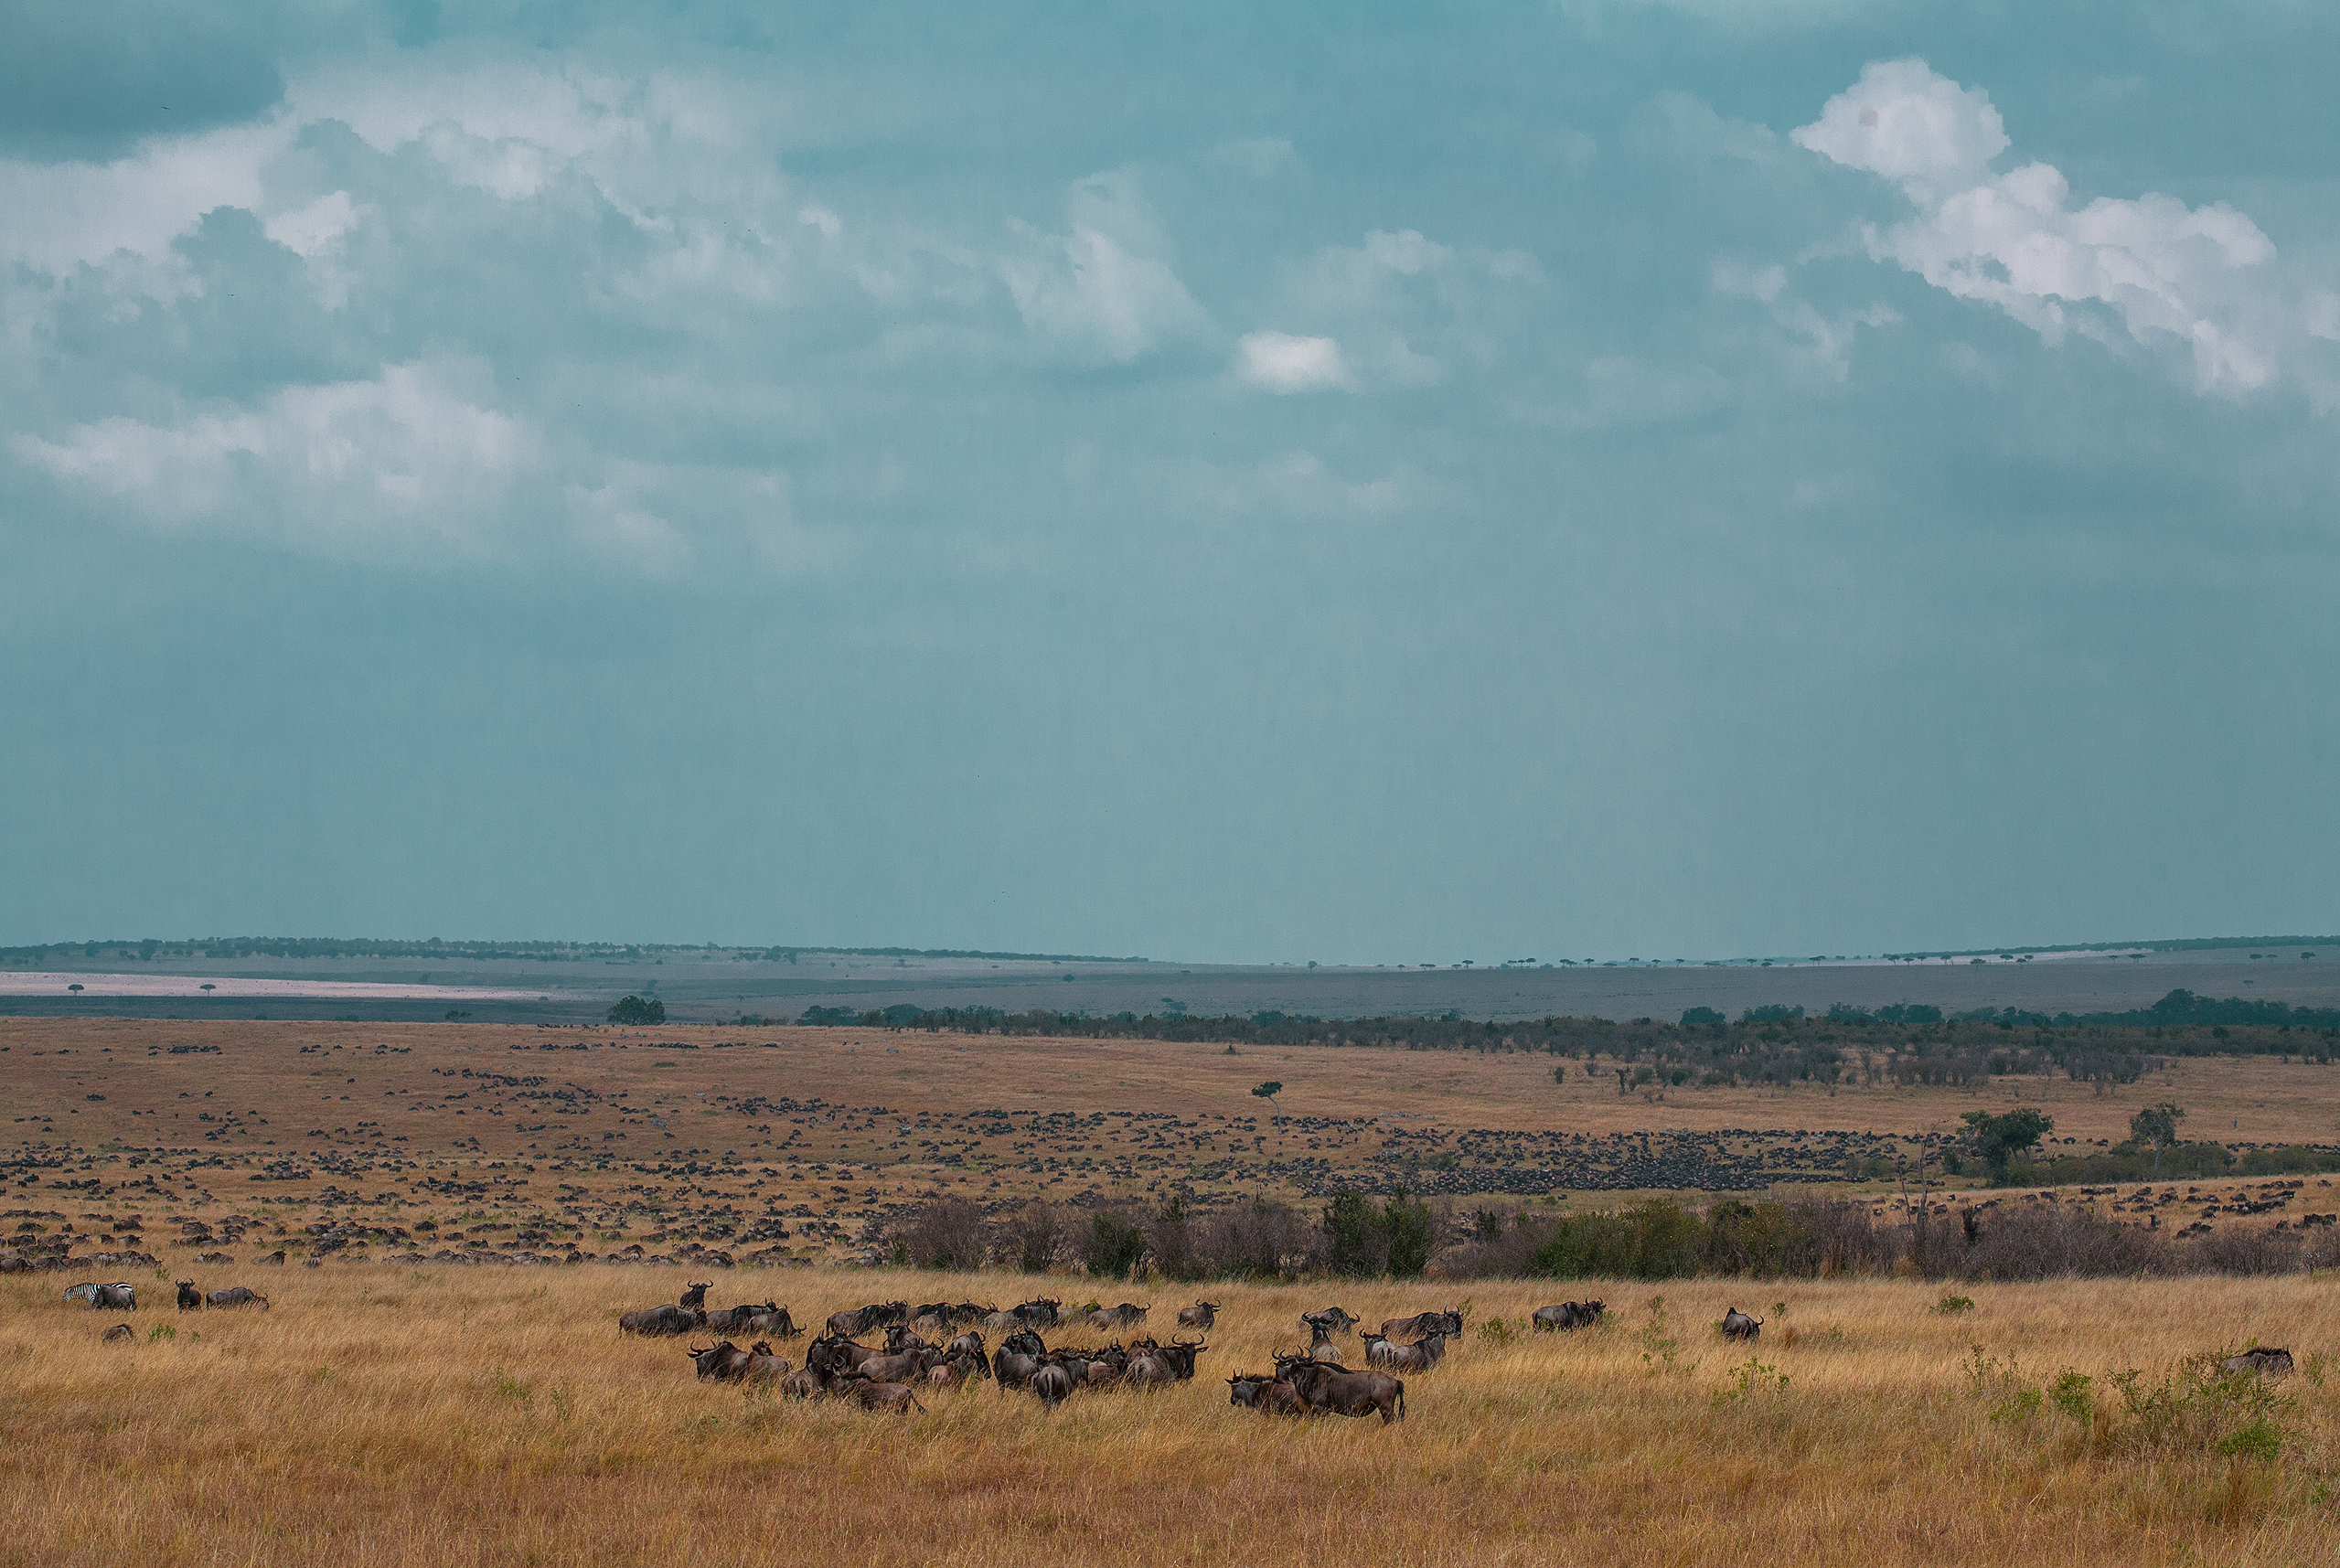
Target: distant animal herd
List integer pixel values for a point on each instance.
(940, 1346)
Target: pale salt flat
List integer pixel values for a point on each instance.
(38, 983)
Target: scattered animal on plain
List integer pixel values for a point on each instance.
(120, 1334)
(236, 1295)
(1737, 1325)
(1322, 1387)
(2266, 1361)
(190, 1298)
(1203, 1314)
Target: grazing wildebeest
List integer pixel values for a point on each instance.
(1018, 1358)
(1202, 1315)
(121, 1296)
(1422, 1324)
(1737, 1325)
(900, 1368)
(1418, 1357)
(1053, 1384)
(120, 1334)
(723, 1361)
(893, 1397)
(190, 1298)
(236, 1295)
(276, 1257)
(1041, 1312)
(1000, 1322)
(1328, 1321)
(1321, 1345)
(1568, 1315)
(2266, 1361)
(1322, 1387)
(951, 1314)
(1128, 1315)
(665, 1319)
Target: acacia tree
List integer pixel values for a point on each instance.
(2156, 1127)
(1998, 1139)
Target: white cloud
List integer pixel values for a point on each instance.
(308, 231)
(1400, 305)
(2161, 271)
(399, 465)
(1102, 293)
(1283, 363)
(54, 216)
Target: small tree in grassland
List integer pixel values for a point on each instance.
(1268, 1092)
(2156, 1126)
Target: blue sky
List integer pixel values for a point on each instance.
(1368, 484)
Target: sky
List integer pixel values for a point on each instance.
(1356, 483)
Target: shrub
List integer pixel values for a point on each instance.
(1034, 1235)
(634, 1010)
(1112, 1246)
(950, 1233)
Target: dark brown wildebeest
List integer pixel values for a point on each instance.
(1041, 1312)
(1408, 1329)
(891, 1397)
(967, 1344)
(1268, 1394)
(1328, 1321)
(1000, 1322)
(745, 1319)
(802, 1383)
(663, 1321)
(121, 1297)
(902, 1337)
(958, 1371)
(1737, 1325)
(1128, 1315)
(1053, 1384)
(772, 1320)
(1180, 1355)
(723, 1361)
(1018, 1358)
(832, 1356)
(861, 1320)
(952, 1314)
(120, 1334)
(236, 1295)
(1322, 1387)
(1321, 1345)
(1202, 1315)
(2266, 1361)
(694, 1299)
(900, 1368)
(1149, 1369)
(1568, 1315)
(190, 1298)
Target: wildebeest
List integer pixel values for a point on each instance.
(1128, 1315)
(832, 1355)
(900, 1368)
(802, 1383)
(120, 1334)
(694, 1299)
(236, 1295)
(1323, 1386)
(1202, 1315)
(1422, 1324)
(861, 1320)
(967, 1344)
(1568, 1315)
(1418, 1357)
(1265, 1393)
(1149, 1369)
(121, 1296)
(1321, 1345)
(1053, 1384)
(950, 1314)
(1180, 1355)
(770, 1318)
(902, 1337)
(763, 1363)
(1328, 1321)
(190, 1298)
(1018, 1358)
(1041, 1312)
(722, 1361)
(891, 1397)
(1737, 1325)
(660, 1320)
(2266, 1361)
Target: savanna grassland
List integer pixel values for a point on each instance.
(381, 1413)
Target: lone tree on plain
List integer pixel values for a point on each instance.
(634, 1010)
(1268, 1092)
(1999, 1139)
(2157, 1125)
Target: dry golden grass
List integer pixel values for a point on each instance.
(459, 1416)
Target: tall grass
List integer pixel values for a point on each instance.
(464, 1417)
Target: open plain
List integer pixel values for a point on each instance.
(444, 1385)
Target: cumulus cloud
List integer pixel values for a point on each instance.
(55, 217)
(1283, 363)
(2151, 269)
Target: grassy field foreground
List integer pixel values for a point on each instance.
(459, 1415)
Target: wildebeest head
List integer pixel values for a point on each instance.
(1181, 1356)
(722, 1360)
(1336, 1320)
(694, 1299)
